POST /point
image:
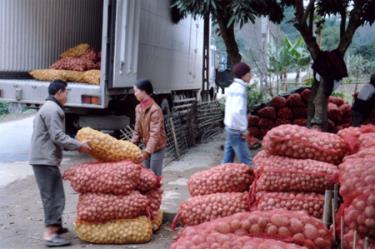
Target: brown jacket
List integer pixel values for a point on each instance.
(149, 128)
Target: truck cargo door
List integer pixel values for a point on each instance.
(125, 56)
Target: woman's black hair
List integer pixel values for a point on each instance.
(145, 85)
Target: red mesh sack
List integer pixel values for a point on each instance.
(362, 154)
(278, 102)
(280, 121)
(107, 178)
(356, 175)
(195, 238)
(312, 203)
(263, 132)
(300, 142)
(351, 137)
(300, 122)
(305, 95)
(371, 118)
(369, 128)
(265, 123)
(348, 241)
(252, 141)
(359, 215)
(253, 120)
(267, 112)
(105, 207)
(334, 113)
(200, 209)
(282, 174)
(285, 113)
(231, 177)
(331, 125)
(254, 131)
(155, 197)
(336, 100)
(75, 64)
(148, 180)
(291, 226)
(295, 100)
(346, 110)
(299, 112)
(366, 140)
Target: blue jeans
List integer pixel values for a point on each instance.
(155, 162)
(235, 144)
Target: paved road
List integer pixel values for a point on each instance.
(15, 140)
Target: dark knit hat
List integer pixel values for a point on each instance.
(240, 69)
(55, 86)
(145, 85)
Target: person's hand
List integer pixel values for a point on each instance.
(85, 147)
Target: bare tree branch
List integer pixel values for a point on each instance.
(309, 9)
(342, 23)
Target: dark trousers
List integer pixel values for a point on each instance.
(51, 190)
(357, 118)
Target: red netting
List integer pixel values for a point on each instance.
(267, 112)
(278, 102)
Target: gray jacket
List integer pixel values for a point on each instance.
(49, 139)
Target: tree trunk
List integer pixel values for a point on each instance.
(311, 106)
(321, 105)
(227, 33)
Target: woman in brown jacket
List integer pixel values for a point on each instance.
(149, 127)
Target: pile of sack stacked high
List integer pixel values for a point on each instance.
(79, 64)
(119, 200)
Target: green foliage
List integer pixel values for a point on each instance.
(255, 97)
(3, 108)
(308, 82)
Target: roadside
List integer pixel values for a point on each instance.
(21, 223)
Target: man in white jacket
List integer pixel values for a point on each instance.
(236, 116)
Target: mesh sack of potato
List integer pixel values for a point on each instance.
(108, 149)
(48, 74)
(148, 181)
(203, 208)
(107, 178)
(158, 221)
(197, 239)
(94, 207)
(155, 197)
(123, 231)
(78, 50)
(231, 177)
(312, 203)
(300, 142)
(91, 77)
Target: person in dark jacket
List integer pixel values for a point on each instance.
(364, 102)
(149, 127)
(47, 144)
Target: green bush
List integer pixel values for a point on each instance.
(3, 108)
(255, 97)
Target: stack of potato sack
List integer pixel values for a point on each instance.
(258, 230)
(292, 109)
(217, 192)
(295, 168)
(119, 200)
(357, 180)
(78, 64)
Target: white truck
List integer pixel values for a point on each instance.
(137, 39)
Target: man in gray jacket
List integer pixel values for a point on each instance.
(47, 144)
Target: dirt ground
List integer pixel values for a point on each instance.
(21, 213)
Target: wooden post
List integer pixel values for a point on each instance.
(366, 243)
(355, 239)
(334, 220)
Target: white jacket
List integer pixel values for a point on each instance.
(236, 106)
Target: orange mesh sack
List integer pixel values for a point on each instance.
(311, 203)
(230, 177)
(199, 209)
(288, 226)
(107, 178)
(300, 142)
(105, 207)
(208, 239)
(282, 174)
